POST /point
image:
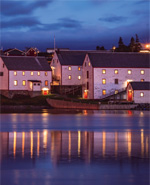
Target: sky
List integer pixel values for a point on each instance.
(76, 24)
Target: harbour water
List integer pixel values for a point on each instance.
(69, 148)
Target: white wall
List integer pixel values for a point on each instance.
(19, 77)
(74, 72)
(4, 78)
(138, 99)
(122, 77)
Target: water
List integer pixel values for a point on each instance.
(82, 147)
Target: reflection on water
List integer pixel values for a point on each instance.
(74, 144)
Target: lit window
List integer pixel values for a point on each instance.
(15, 82)
(38, 73)
(79, 68)
(104, 71)
(23, 82)
(46, 82)
(23, 73)
(116, 91)
(69, 77)
(129, 72)
(116, 71)
(69, 68)
(103, 92)
(45, 73)
(142, 72)
(31, 73)
(89, 64)
(103, 81)
(142, 80)
(116, 81)
(79, 77)
(15, 73)
(141, 94)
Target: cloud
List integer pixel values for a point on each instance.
(26, 22)
(12, 8)
(113, 19)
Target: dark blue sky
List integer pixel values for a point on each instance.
(77, 24)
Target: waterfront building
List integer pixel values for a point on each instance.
(139, 92)
(105, 74)
(24, 75)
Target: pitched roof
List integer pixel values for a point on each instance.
(126, 60)
(140, 85)
(14, 51)
(26, 63)
(71, 57)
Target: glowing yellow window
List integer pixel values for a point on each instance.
(31, 73)
(69, 68)
(89, 64)
(38, 73)
(116, 91)
(23, 73)
(15, 73)
(104, 71)
(142, 72)
(79, 68)
(23, 82)
(79, 77)
(103, 81)
(69, 77)
(116, 71)
(142, 80)
(46, 82)
(141, 94)
(45, 73)
(15, 82)
(103, 92)
(129, 72)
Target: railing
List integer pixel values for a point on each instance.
(113, 93)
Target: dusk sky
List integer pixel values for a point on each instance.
(76, 24)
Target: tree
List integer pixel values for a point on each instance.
(137, 44)
(132, 45)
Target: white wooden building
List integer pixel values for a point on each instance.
(109, 73)
(138, 92)
(24, 75)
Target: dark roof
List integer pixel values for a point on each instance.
(14, 52)
(71, 57)
(127, 60)
(26, 63)
(34, 81)
(140, 85)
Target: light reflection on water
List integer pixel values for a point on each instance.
(68, 149)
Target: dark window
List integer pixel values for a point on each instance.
(116, 81)
(34, 84)
(87, 85)
(1, 73)
(85, 64)
(38, 84)
(87, 74)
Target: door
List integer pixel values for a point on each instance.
(85, 94)
(130, 96)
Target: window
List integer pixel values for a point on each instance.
(142, 80)
(116, 81)
(116, 91)
(15, 82)
(79, 68)
(87, 74)
(34, 84)
(129, 72)
(38, 73)
(89, 64)
(31, 73)
(23, 82)
(45, 73)
(141, 94)
(69, 68)
(79, 77)
(103, 81)
(87, 85)
(103, 92)
(38, 84)
(69, 77)
(85, 64)
(142, 72)
(104, 71)
(15, 73)
(46, 82)
(116, 71)
(1, 73)
(3, 65)
(23, 73)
